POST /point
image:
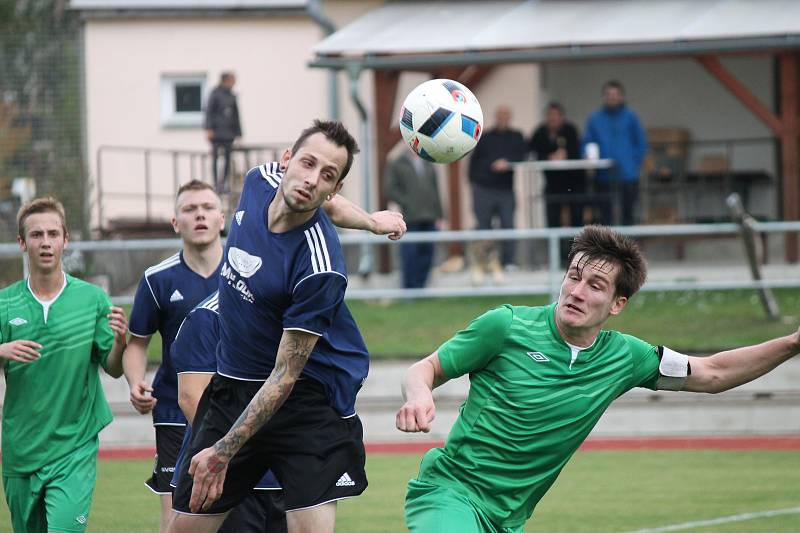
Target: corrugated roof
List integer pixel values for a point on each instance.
(448, 27)
(194, 5)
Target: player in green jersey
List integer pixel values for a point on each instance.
(55, 331)
(540, 378)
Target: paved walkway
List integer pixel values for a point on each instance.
(769, 405)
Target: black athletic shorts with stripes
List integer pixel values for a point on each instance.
(317, 456)
(169, 439)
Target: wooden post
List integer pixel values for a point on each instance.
(790, 161)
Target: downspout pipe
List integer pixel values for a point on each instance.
(366, 261)
(314, 10)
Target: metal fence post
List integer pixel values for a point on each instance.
(553, 260)
(147, 189)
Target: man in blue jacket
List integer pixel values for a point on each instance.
(619, 135)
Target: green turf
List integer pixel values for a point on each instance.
(698, 320)
(597, 492)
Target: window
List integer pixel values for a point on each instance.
(182, 100)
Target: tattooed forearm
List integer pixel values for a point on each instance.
(293, 352)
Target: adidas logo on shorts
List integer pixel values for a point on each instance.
(345, 481)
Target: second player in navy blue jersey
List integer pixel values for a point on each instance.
(166, 293)
(194, 357)
(290, 360)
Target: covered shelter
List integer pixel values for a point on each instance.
(466, 40)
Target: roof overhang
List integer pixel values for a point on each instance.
(412, 35)
(109, 9)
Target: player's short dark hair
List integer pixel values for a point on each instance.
(335, 132)
(194, 185)
(558, 106)
(614, 84)
(225, 76)
(600, 243)
(45, 204)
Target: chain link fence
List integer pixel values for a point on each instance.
(40, 109)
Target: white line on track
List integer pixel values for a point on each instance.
(721, 520)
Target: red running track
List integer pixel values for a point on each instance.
(778, 442)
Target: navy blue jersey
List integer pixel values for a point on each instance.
(296, 280)
(195, 347)
(166, 293)
(193, 352)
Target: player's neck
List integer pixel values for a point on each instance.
(578, 336)
(203, 259)
(46, 285)
(281, 218)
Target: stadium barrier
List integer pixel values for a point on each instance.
(554, 270)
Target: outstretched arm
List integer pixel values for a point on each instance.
(418, 411)
(209, 466)
(731, 368)
(346, 214)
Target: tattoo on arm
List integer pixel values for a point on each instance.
(293, 352)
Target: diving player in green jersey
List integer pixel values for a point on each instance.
(55, 331)
(540, 378)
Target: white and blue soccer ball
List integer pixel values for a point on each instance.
(441, 120)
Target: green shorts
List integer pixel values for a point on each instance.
(56, 497)
(433, 509)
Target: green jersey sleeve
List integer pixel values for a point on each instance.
(645, 362)
(473, 347)
(103, 336)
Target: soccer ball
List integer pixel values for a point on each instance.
(441, 120)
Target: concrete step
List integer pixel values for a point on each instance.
(768, 405)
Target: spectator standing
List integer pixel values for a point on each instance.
(411, 183)
(619, 135)
(222, 126)
(492, 177)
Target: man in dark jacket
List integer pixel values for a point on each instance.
(411, 183)
(492, 177)
(222, 126)
(557, 140)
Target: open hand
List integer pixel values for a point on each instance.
(208, 471)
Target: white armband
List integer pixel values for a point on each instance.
(672, 370)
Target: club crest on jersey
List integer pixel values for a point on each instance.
(538, 357)
(245, 264)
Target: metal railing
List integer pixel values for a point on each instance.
(195, 164)
(554, 271)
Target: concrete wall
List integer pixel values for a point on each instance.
(125, 59)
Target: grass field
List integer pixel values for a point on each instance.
(697, 320)
(598, 492)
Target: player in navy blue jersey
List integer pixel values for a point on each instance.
(168, 290)
(290, 360)
(194, 356)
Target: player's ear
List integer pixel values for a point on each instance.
(336, 189)
(174, 223)
(618, 304)
(287, 155)
(21, 242)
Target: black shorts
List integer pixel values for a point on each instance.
(316, 455)
(168, 444)
(261, 511)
